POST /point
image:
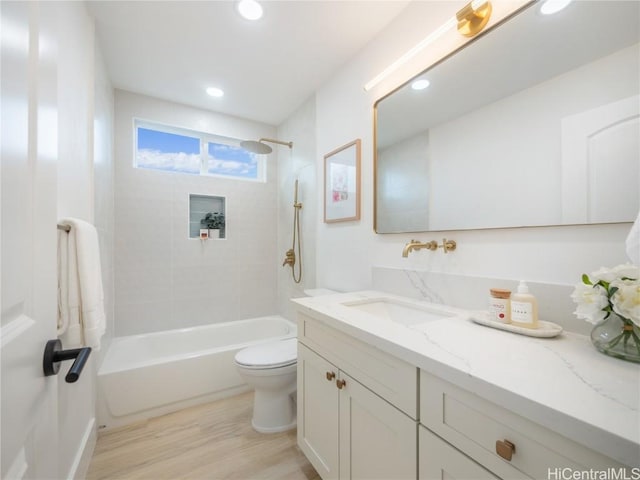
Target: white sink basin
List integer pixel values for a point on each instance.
(404, 313)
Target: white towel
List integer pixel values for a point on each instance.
(80, 295)
(633, 242)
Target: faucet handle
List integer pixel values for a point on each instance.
(432, 245)
(448, 245)
(290, 258)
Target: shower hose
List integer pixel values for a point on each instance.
(297, 277)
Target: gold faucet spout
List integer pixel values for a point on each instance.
(409, 247)
(416, 245)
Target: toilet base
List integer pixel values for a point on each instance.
(273, 411)
(282, 428)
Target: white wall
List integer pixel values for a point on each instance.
(103, 168)
(347, 252)
(298, 163)
(75, 98)
(165, 280)
(85, 190)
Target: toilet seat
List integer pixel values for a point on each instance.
(277, 354)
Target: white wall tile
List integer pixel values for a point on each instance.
(300, 164)
(195, 282)
(137, 318)
(144, 285)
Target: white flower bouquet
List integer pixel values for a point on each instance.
(611, 297)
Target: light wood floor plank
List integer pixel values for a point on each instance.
(214, 441)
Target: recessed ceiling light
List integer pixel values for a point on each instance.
(553, 6)
(420, 84)
(250, 9)
(215, 92)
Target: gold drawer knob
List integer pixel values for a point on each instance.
(340, 384)
(331, 375)
(505, 449)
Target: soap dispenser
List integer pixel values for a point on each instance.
(524, 307)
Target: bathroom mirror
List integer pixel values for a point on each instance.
(534, 123)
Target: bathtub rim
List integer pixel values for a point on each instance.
(103, 370)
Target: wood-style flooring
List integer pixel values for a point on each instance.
(212, 441)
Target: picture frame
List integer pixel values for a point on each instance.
(342, 183)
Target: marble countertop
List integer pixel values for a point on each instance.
(562, 383)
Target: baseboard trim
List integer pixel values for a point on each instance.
(80, 465)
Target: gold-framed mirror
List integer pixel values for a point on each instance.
(535, 123)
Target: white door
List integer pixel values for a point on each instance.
(597, 145)
(28, 235)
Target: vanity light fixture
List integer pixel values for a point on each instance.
(249, 9)
(553, 6)
(420, 84)
(471, 20)
(215, 92)
(473, 9)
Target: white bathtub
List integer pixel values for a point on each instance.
(143, 376)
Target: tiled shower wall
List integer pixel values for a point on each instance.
(165, 280)
(299, 163)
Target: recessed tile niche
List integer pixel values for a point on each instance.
(207, 212)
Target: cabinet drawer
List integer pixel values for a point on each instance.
(475, 425)
(394, 380)
(437, 460)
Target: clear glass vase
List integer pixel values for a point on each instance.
(617, 337)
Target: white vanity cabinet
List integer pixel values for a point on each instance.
(438, 401)
(493, 441)
(347, 426)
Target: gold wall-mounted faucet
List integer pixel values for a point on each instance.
(416, 245)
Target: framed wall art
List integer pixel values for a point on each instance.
(342, 183)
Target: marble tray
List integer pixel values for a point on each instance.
(544, 330)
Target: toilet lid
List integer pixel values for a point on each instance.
(270, 355)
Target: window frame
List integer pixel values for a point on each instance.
(204, 138)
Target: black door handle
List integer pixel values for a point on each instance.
(53, 355)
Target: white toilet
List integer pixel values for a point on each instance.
(271, 370)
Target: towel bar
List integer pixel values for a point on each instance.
(65, 228)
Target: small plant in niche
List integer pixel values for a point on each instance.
(213, 221)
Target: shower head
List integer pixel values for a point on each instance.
(260, 147)
(256, 147)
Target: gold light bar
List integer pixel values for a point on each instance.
(474, 16)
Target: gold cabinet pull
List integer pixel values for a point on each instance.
(331, 375)
(505, 449)
(340, 384)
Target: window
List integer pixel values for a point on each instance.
(158, 147)
(231, 161)
(159, 150)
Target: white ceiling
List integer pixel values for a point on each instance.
(175, 49)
